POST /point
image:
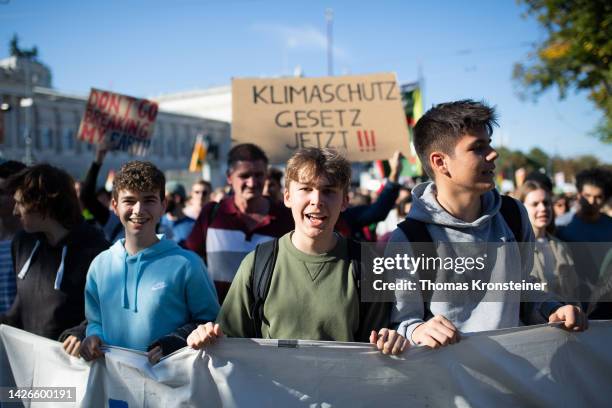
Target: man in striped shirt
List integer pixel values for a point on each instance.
(226, 231)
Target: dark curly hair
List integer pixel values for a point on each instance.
(598, 177)
(141, 176)
(49, 191)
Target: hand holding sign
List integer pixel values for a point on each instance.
(395, 163)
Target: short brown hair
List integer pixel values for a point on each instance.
(141, 176)
(49, 191)
(245, 152)
(444, 124)
(309, 163)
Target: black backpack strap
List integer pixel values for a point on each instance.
(261, 276)
(372, 315)
(512, 215)
(354, 254)
(416, 231)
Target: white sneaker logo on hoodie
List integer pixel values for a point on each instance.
(158, 286)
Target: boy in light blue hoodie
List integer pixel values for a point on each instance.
(145, 292)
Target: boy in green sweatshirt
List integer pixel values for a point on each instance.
(313, 293)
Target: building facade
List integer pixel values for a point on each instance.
(51, 120)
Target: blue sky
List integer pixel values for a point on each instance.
(144, 48)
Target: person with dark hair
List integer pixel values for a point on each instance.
(560, 205)
(9, 226)
(174, 224)
(200, 194)
(453, 142)
(589, 223)
(553, 262)
(143, 291)
(274, 187)
(52, 253)
(226, 231)
(541, 179)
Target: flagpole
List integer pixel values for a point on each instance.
(329, 17)
(202, 140)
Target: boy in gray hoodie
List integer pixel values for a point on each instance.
(453, 142)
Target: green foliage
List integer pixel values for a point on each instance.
(536, 159)
(575, 55)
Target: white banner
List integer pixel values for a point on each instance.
(531, 366)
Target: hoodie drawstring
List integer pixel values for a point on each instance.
(26, 265)
(137, 276)
(59, 275)
(137, 281)
(60, 271)
(126, 302)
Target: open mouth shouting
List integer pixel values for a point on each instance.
(316, 219)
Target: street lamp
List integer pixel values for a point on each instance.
(4, 107)
(26, 103)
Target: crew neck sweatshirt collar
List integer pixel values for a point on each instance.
(339, 251)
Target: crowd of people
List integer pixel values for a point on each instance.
(152, 267)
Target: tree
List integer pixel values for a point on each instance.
(577, 53)
(538, 158)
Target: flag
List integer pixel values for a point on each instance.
(412, 99)
(199, 155)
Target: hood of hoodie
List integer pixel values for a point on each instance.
(134, 265)
(425, 208)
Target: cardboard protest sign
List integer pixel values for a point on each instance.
(122, 122)
(360, 116)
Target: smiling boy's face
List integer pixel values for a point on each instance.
(315, 206)
(138, 211)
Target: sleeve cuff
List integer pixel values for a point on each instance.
(406, 328)
(169, 344)
(93, 331)
(548, 308)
